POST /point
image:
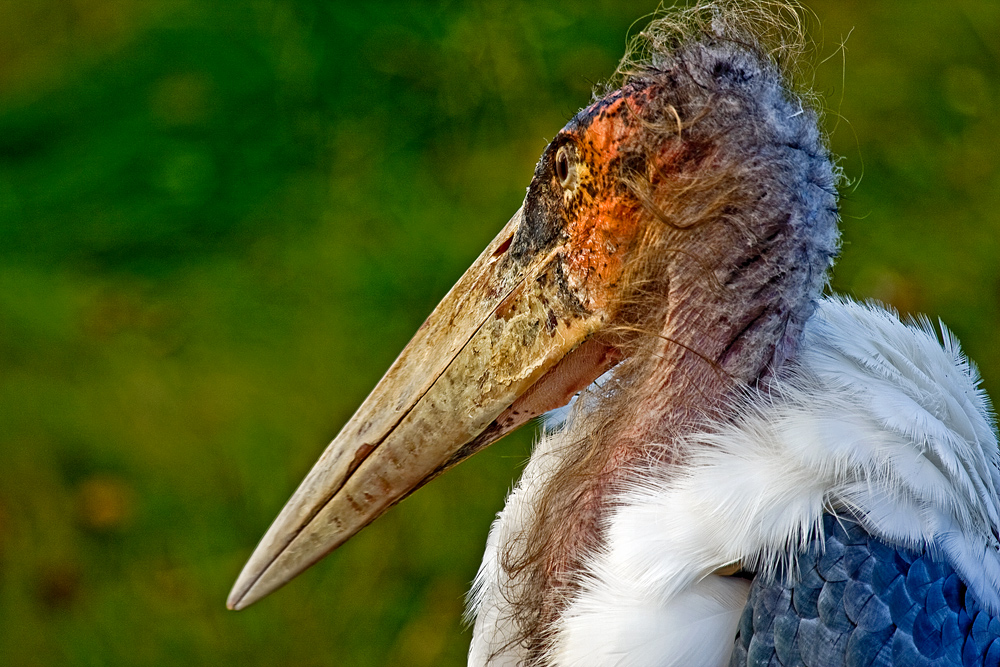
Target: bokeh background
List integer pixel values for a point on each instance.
(221, 220)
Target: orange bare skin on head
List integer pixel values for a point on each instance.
(604, 218)
(627, 157)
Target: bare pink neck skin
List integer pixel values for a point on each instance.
(713, 339)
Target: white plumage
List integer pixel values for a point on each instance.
(878, 417)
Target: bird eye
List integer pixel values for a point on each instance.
(562, 167)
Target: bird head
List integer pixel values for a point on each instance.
(678, 227)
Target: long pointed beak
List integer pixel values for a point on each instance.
(510, 340)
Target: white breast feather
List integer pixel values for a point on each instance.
(494, 627)
(877, 417)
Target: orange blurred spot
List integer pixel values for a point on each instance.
(899, 291)
(58, 585)
(110, 314)
(104, 503)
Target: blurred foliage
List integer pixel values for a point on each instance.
(220, 221)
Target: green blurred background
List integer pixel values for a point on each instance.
(220, 221)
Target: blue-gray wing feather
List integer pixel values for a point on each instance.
(860, 603)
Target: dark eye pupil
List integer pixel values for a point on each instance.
(562, 167)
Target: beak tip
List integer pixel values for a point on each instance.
(262, 575)
(237, 597)
(242, 596)
(245, 591)
(235, 600)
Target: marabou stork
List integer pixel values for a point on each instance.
(764, 476)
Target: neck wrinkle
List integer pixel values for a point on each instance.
(687, 378)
